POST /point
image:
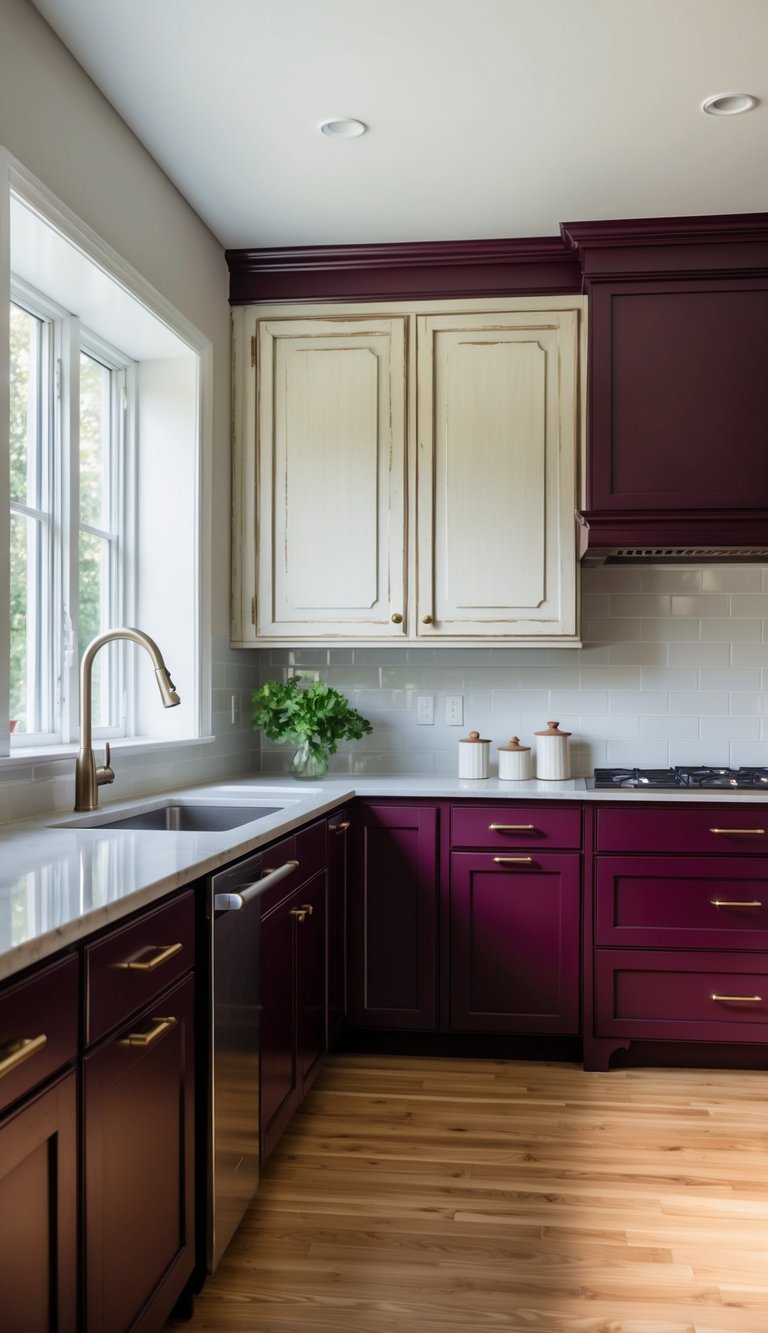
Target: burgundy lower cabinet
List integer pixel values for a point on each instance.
(38, 1212)
(515, 942)
(293, 993)
(393, 917)
(338, 829)
(679, 930)
(138, 1148)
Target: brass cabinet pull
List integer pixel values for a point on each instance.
(737, 830)
(725, 902)
(396, 618)
(166, 951)
(162, 1025)
(513, 860)
(426, 620)
(301, 913)
(341, 827)
(511, 828)
(740, 999)
(19, 1051)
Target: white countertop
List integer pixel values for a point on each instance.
(59, 884)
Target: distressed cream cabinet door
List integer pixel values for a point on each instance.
(330, 425)
(407, 474)
(498, 425)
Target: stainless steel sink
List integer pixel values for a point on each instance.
(178, 817)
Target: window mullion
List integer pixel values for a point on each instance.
(67, 515)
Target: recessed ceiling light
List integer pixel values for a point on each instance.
(728, 104)
(346, 128)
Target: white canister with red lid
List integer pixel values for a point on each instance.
(552, 761)
(474, 756)
(514, 761)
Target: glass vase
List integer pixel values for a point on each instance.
(309, 761)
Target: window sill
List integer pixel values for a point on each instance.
(41, 754)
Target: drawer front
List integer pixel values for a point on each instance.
(131, 966)
(310, 848)
(657, 902)
(724, 830)
(504, 826)
(275, 857)
(681, 996)
(38, 1028)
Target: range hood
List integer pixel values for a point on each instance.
(696, 537)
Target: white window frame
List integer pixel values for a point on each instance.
(17, 181)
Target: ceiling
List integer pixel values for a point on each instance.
(488, 118)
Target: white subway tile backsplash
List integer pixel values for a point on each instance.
(637, 754)
(700, 702)
(672, 580)
(660, 726)
(699, 654)
(606, 630)
(669, 678)
(638, 654)
(730, 728)
(747, 705)
(746, 604)
(749, 654)
(644, 604)
(578, 701)
(674, 630)
(732, 630)
(609, 726)
(746, 753)
(700, 752)
(640, 701)
(732, 578)
(735, 678)
(708, 604)
(610, 678)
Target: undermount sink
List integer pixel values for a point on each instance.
(178, 817)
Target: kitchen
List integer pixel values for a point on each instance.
(671, 671)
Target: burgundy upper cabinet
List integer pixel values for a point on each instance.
(678, 395)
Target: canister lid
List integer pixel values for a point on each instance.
(475, 738)
(552, 730)
(514, 744)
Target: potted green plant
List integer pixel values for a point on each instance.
(314, 716)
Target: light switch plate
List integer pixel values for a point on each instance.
(454, 710)
(425, 710)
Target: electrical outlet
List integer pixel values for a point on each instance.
(425, 710)
(454, 710)
(234, 709)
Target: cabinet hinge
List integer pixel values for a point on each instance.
(253, 610)
(253, 351)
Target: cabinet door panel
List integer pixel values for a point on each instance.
(311, 961)
(331, 477)
(38, 1213)
(280, 1090)
(139, 1169)
(515, 944)
(338, 841)
(393, 918)
(497, 473)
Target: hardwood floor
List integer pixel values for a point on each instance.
(457, 1196)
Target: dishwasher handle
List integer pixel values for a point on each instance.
(232, 902)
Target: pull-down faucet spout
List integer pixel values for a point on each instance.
(88, 776)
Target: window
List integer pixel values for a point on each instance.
(70, 490)
(105, 428)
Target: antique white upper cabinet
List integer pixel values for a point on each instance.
(496, 474)
(406, 474)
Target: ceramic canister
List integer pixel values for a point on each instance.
(474, 756)
(514, 761)
(552, 762)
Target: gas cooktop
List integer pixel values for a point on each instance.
(673, 779)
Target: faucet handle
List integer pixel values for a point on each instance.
(105, 773)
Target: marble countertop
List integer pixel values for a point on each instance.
(59, 883)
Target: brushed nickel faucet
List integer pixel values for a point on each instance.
(88, 776)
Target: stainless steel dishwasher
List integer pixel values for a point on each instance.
(233, 1111)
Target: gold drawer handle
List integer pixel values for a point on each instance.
(513, 860)
(340, 828)
(301, 913)
(725, 902)
(740, 999)
(737, 830)
(511, 828)
(145, 1039)
(166, 951)
(19, 1051)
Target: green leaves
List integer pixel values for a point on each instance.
(297, 712)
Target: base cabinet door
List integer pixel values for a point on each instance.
(293, 992)
(338, 842)
(393, 918)
(515, 942)
(38, 1213)
(139, 1168)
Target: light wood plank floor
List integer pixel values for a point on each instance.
(456, 1196)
